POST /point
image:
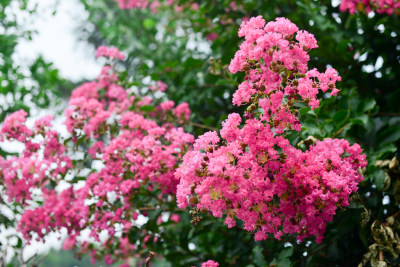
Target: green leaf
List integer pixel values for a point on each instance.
(281, 262)
(19, 243)
(225, 82)
(379, 179)
(386, 148)
(304, 111)
(258, 256)
(366, 105)
(362, 119)
(286, 253)
(77, 179)
(389, 135)
(341, 115)
(149, 23)
(147, 108)
(67, 140)
(80, 140)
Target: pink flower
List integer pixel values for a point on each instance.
(14, 127)
(109, 52)
(210, 263)
(108, 260)
(167, 105)
(69, 243)
(182, 111)
(212, 36)
(159, 86)
(175, 218)
(380, 6)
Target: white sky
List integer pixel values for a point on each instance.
(57, 40)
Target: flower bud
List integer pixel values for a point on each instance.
(193, 200)
(245, 66)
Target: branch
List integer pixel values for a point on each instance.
(149, 258)
(388, 114)
(396, 214)
(339, 132)
(313, 253)
(203, 126)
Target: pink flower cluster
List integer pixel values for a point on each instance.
(128, 4)
(252, 173)
(210, 263)
(154, 5)
(14, 127)
(109, 52)
(274, 57)
(44, 158)
(158, 86)
(138, 150)
(381, 6)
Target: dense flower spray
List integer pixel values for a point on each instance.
(252, 173)
(155, 5)
(100, 179)
(380, 6)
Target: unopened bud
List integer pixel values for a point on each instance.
(245, 66)
(193, 200)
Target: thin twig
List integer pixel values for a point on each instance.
(149, 258)
(314, 252)
(396, 214)
(339, 132)
(203, 126)
(388, 114)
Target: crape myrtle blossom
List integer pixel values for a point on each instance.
(14, 127)
(250, 171)
(275, 62)
(109, 52)
(139, 150)
(380, 6)
(158, 86)
(155, 5)
(210, 263)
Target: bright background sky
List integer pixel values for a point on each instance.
(58, 41)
